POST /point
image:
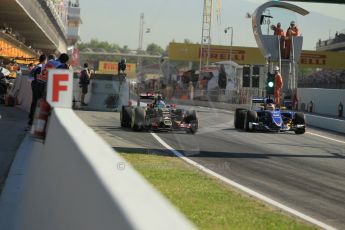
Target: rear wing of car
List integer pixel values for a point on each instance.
(257, 103)
(258, 100)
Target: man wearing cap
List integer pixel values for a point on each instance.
(291, 32)
(278, 31)
(278, 85)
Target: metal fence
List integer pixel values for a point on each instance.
(240, 96)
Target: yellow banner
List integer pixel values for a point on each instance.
(106, 67)
(253, 56)
(9, 50)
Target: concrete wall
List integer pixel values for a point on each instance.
(104, 94)
(100, 91)
(75, 181)
(22, 89)
(209, 104)
(325, 101)
(328, 123)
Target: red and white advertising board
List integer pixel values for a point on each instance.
(60, 88)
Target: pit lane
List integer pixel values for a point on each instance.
(305, 172)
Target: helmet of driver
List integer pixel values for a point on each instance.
(270, 107)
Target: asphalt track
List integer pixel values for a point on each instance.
(304, 172)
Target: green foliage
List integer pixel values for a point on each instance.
(104, 46)
(207, 202)
(154, 49)
(96, 45)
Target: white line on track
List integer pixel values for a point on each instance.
(243, 188)
(328, 138)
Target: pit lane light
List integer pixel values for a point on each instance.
(122, 65)
(270, 84)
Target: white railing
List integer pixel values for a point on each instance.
(57, 17)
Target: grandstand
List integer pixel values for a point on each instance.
(337, 43)
(326, 78)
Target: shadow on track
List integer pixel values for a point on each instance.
(225, 155)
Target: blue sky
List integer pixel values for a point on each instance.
(118, 21)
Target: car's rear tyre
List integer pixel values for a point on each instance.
(191, 118)
(126, 116)
(239, 118)
(138, 119)
(251, 116)
(299, 119)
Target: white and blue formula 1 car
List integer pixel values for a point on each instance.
(264, 116)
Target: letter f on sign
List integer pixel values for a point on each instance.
(57, 87)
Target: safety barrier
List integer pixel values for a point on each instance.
(328, 123)
(241, 96)
(209, 104)
(321, 101)
(107, 93)
(22, 91)
(104, 94)
(74, 181)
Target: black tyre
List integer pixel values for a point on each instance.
(191, 118)
(299, 120)
(239, 120)
(138, 119)
(251, 116)
(126, 116)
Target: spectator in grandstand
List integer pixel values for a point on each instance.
(291, 32)
(13, 67)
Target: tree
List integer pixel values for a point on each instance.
(187, 41)
(125, 49)
(101, 45)
(154, 49)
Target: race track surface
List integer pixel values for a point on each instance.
(305, 172)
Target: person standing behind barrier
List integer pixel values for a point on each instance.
(278, 31)
(63, 60)
(60, 63)
(278, 85)
(51, 63)
(291, 32)
(84, 82)
(36, 87)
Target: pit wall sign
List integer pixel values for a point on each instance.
(253, 56)
(60, 88)
(106, 67)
